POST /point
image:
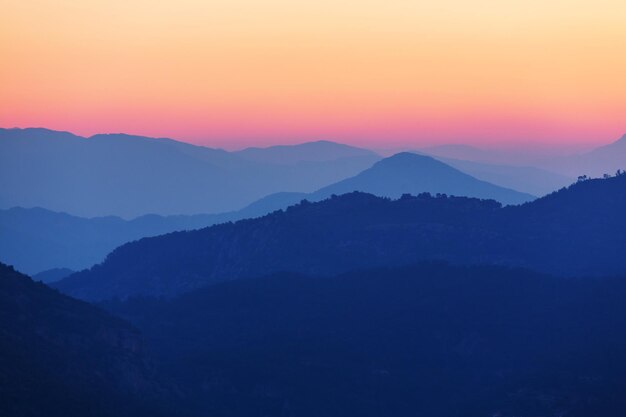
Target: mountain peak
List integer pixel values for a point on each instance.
(413, 162)
(411, 173)
(408, 157)
(321, 150)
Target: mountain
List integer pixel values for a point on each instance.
(64, 357)
(307, 152)
(426, 340)
(605, 159)
(52, 275)
(523, 156)
(408, 173)
(402, 173)
(458, 151)
(47, 244)
(36, 240)
(527, 179)
(575, 231)
(129, 176)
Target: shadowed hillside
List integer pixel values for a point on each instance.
(429, 340)
(63, 357)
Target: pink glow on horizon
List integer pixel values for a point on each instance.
(233, 131)
(371, 73)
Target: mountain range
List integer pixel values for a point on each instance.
(130, 176)
(575, 231)
(527, 179)
(35, 240)
(595, 162)
(317, 279)
(605, 159)
(403, 173)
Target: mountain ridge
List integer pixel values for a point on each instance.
(128, 175)
(359, 230)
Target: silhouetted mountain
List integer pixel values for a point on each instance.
(63, 357)
(430, 340)
(129, 176)
(318, 151)
(605, 159)
(52, 275)
(578, 230)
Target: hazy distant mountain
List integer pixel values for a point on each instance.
(403, 173)
(462, 152)
(427, 340)
(489, 156)
(527, 179)
(36, 240)
(519, 156)
(62, 357)
(45, 243)
(131, 175)
(307, 152)
(52, 275)
(408, 173)
(574, 231)
(602, 160)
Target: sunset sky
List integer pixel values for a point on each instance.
(378, 73)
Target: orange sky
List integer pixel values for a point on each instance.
(380, 73)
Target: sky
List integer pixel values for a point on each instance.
(375, 73)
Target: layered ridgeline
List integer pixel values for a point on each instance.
(36, 240)
(606, 159)
(579, 230)
(429, 340)
(131, 176)
(403, 173)
(63, 357)
(595, 163)
(527, 179)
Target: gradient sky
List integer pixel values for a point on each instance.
(371, 72)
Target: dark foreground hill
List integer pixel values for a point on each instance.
(63, 357)
(580, 230)
(427, 340)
